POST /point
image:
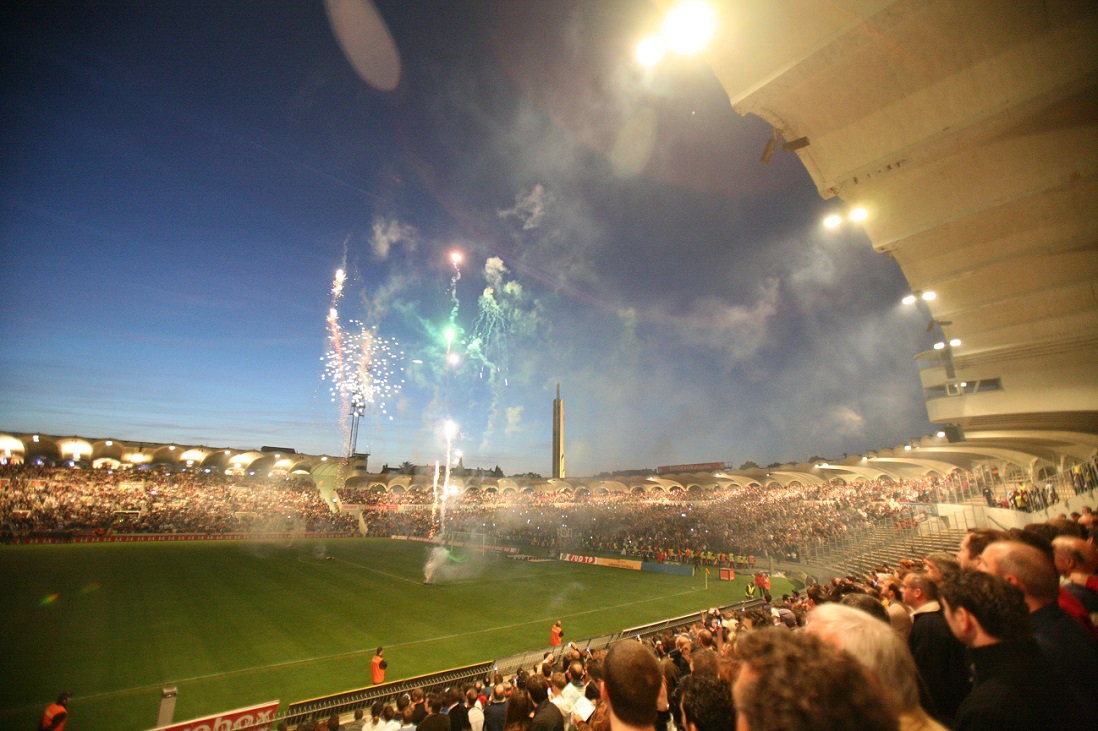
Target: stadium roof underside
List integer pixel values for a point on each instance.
(966, 129)
(1019, 455)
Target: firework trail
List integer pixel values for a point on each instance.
(455, 259)
(335, 339)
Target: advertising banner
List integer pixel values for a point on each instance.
(252, 718)
(619, 563)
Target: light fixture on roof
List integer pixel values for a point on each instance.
(926, 295)
(953, 343)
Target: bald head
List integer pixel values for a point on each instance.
(631, 682)
(1027, 567)
(1074, 555)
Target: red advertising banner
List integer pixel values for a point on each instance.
(252, 718)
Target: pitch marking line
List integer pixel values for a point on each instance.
(363, 653)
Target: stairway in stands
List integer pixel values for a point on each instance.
(914, 547)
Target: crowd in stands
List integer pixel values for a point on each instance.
(722, 527)
(997, 636)
(45, 501)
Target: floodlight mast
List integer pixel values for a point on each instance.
(358, 408)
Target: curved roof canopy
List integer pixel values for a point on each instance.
(966, 130)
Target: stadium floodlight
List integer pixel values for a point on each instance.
(833, 221)
(649, 51)
(929, 295)
(940, 434)
(909, 299)
(939, 345)
(858, 214)
(690, 26)
(954, 342)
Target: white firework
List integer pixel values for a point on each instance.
(363, 368)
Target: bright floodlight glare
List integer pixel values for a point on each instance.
(859, 214)
(941, 434)
(833, 220)
(930, 295)
(907, 447)
(455, 257)
(450, 333)
(689, 26)
(451, 428)
(954, 342)
(649, 51)
(939, 345)
(453, 359)
(909, 299)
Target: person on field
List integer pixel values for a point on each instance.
(555, 634)
(377, 667)
(56, 714)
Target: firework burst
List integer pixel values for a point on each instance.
(363, 367)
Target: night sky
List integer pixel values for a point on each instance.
(181, 182)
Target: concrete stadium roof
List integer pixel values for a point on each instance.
(967, 130)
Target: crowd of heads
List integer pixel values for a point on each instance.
(59, 502)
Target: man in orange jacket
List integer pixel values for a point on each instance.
(377, 667)
(555, 634)
(56, 714)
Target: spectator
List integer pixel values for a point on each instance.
(547, 717)
(938, 655)
(495, 713)
(899, 614)
(1015, 685)
(1062, 640)
(453, 701)
(706, 704)
(883, 654)
(472, 706)
(973, 544)
(793, 680)
(939, 565)
(1076, 561)
(631, 686)
(358, 723)
(558, 696)
(419, 705)
(519, 711)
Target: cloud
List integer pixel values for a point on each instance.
(388, 232)
(530, 207)
(514, 419)
(737, 331)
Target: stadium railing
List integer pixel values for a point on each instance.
(352, 700)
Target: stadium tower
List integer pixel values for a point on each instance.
(558, 436)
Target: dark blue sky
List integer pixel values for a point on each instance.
(182, 180)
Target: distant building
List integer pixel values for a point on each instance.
(558, 436)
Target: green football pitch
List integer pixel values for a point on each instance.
(231, 624)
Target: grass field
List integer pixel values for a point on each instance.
(236, 623)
